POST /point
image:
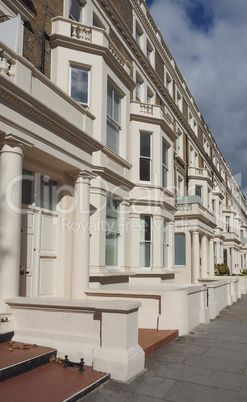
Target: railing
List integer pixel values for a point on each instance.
(193, 205)
(200, 172)
(155, 111)
(81, 32)
(7, 64)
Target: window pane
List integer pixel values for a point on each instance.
(46, 192)
(79, 85)
(179, 249)
(145, 149)
(164, 176)
(117, 111)
(164, 154)
(27, 184)
(145, 165)
(109, 101)
(145, 230)
(198, 191)
(75, 9)
(145, 254)
(111, 256)
(112, 140)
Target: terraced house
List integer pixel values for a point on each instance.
(112, 189)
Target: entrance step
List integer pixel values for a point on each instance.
(153, 339)
(17, 358)
(28, 375)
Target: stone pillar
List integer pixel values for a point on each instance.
(134, 238)
(204, 257)
(211, 258)
(10, 219)
(195, 257)
(232, 268)
(157, 243)
(218, 252)
(81, 226)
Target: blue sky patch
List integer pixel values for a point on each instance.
(201, 18)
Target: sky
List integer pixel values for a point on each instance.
(208, 40)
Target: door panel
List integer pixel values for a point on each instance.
(27, 254)
(48, 254)
(47, 277)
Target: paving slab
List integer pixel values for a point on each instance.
(207, 365)
(214, 363)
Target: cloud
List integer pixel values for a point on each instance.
(208, 41)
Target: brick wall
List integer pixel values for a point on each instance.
(200, 135)
(159, 66)
(124, 8)
(43, 11)
(185, 110)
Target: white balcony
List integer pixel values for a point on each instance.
(198, 173)
(77, 33)
(154, 111)
(191, 207)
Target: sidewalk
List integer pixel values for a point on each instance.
(208, 365)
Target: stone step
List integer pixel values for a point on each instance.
(153, 339)
(27, 374)
(17, 358)
(51, 383)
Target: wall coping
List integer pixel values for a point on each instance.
(111, 306)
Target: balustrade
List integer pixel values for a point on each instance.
(7, 64)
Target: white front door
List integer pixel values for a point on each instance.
(38, 237)
(38, 253)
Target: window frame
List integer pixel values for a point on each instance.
(145, 157)
(70, 16)
(109, 202)
(110, 118)
(184, 250)
(165, 167)
(86, 69)
(139, 35)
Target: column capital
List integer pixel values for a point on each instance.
(82, 174)
(13, 141)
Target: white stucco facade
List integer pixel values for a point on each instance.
(112, 189)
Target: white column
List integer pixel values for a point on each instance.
(232, 268)
(134, 238)
(204, 257)
(195, 257)
(157, 243)
(218, 252)
(81, 225)
(10, 224)
(211, 258)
